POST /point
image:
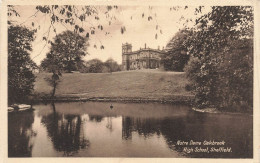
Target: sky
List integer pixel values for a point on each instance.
(139, 31)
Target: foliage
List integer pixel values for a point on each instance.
(76, 16)
(112, 65)
(66, 52)
(236, 75)
(176, 57)
(97, 66)
(221, 65)
(51, 63)
(94, 66)
(20, 66)
(53, 82)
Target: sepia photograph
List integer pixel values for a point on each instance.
(131, 81)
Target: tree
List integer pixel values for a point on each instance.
(95, 66)
(112, 65)
(177, 57)
(51, 63)
(236, 75)
(66, 52)
(20, 66)
(54, 81)
(221, 57)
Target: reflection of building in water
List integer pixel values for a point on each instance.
(143, 126)
(172, 129)
(126, 128)
(142, 59)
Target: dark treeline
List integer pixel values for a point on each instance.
(217, 56)
(91, 66)
(97, 66)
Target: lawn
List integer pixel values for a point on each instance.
(138, 84)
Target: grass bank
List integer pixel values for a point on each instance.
(139, 85)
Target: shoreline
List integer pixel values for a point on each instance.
(185, 100)
(175, 99)
(188, 100)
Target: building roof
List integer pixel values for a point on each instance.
(146, 49)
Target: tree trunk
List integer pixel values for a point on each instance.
(54, 89)
(53, 107)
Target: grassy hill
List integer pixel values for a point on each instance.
(139, 84)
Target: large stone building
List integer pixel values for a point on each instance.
(145, 58)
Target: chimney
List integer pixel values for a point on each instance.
(158, 47)
(145, 45)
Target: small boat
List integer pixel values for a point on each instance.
(10, 109)
(206, 110)
(23, 107)
(19, 107)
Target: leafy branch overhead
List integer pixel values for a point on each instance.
(84, 20)
(80, 18)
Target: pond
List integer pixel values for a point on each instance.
(94, 129)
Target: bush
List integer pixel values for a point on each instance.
(224, 79)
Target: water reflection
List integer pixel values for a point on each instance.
(143, 126)
(95, 118)
(196, 127)
(65, 132)
(109, 124)
(128, 130)
(20, 134)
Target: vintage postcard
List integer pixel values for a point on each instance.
(127, 81)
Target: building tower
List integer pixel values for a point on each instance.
(126, 48)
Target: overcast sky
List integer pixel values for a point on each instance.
(138, 29)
